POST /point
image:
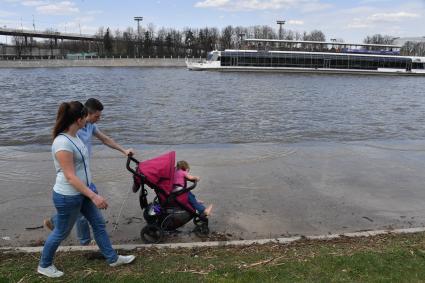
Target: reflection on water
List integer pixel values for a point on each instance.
(175, 106)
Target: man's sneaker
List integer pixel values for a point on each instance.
(123, 259)
(47, 223)
(50, 271)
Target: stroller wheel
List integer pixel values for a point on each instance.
(198, 221)
(152, 234)
(202, 230)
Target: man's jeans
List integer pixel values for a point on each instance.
(68, 208)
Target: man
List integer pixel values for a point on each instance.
(95, 109)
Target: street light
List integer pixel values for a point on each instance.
(241, 35)
(138, 20)
(332, 40)
(280, 23)
(5, 36)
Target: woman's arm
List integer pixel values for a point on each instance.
(66, 162)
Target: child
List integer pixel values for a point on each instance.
(180, 177)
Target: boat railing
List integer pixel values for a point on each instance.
(196, 60)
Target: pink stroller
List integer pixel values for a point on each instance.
(170, 209)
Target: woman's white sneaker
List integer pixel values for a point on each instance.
(123, 259)
(50, 271)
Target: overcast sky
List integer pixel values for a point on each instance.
(349, 20)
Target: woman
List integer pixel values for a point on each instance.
(71, 194)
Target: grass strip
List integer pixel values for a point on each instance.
(383, 258)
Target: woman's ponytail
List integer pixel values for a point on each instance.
(68, 113)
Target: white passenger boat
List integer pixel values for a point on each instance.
(370, 59)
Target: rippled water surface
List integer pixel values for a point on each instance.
(176, 106)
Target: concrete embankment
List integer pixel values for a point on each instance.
(108, 62)
(258, 190)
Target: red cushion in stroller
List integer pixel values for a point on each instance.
(159, 172)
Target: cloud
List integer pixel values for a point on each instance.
(60, 8)
(358, 24)
(373, 1)
(315, 7)
(306, 6)
(33, 3)
(295, 22)
(381, 18)
(392, 17)
(212, 3)
(7, 14)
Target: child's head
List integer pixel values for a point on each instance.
(183, 165)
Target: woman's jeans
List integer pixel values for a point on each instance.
(82, 226)
(195, 204)
(68, 208)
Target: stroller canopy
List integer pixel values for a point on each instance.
(159, 172)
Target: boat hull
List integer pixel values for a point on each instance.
(394, 72)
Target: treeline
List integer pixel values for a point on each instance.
(194, 42)
(409, 48)
(198, 42)
(188, 42)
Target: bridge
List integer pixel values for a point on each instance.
(27, 49)
(47, 34)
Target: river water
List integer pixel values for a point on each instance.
(176, 106)
(279, 154)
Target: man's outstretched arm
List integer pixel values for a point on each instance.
(106, 140)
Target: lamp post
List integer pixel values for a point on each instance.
(241, 35)
(5, 36)
(138, 20)
(333, 40)
(280, 23)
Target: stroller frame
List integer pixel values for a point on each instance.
(166, 215)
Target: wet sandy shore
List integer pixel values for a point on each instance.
(258, 190)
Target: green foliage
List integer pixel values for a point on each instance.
(390, 258)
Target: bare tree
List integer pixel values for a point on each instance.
(226, 37)
(315, 35)
(379, 39)
(411, 48)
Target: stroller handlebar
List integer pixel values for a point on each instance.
(129, 159)
(192, 186)
(185, 190)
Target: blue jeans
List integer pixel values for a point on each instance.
(82, 225)
(68, 209)
(194, 202)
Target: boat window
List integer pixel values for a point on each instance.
(314, 60)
